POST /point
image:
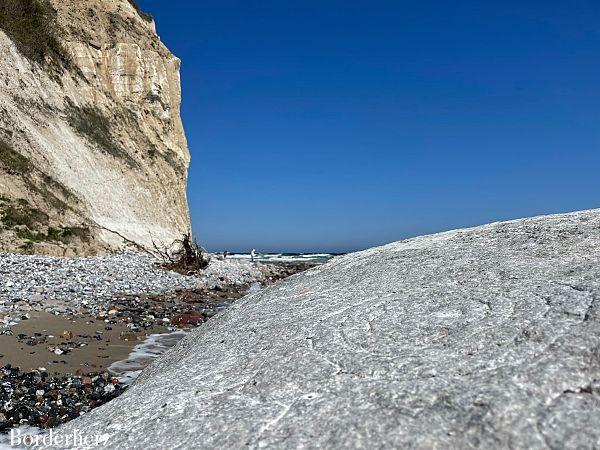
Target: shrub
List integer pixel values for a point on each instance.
(30, 236)
(83, 233)
(19, 214)
(27, 247)
(53, 234)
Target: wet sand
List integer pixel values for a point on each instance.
(67, 344)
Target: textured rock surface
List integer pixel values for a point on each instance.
(101, 141)
(485, 337)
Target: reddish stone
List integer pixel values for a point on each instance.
(187, 319)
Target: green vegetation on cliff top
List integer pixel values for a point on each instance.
(144, 15)
(30, 24)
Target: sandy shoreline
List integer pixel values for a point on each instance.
(64, 345)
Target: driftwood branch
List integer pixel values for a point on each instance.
(129, 241)
(183, 255)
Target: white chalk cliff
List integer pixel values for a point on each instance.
(95, 143)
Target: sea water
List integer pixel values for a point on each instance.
(143, 354)
(314, 258)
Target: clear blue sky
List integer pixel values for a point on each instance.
(338, 125)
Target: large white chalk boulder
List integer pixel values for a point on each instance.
(486, 337)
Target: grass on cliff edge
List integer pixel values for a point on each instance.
(30, 24)
(144, 15)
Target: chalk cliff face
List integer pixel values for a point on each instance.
(92, 147)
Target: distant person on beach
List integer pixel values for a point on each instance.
(253, 255)
(225, 253)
